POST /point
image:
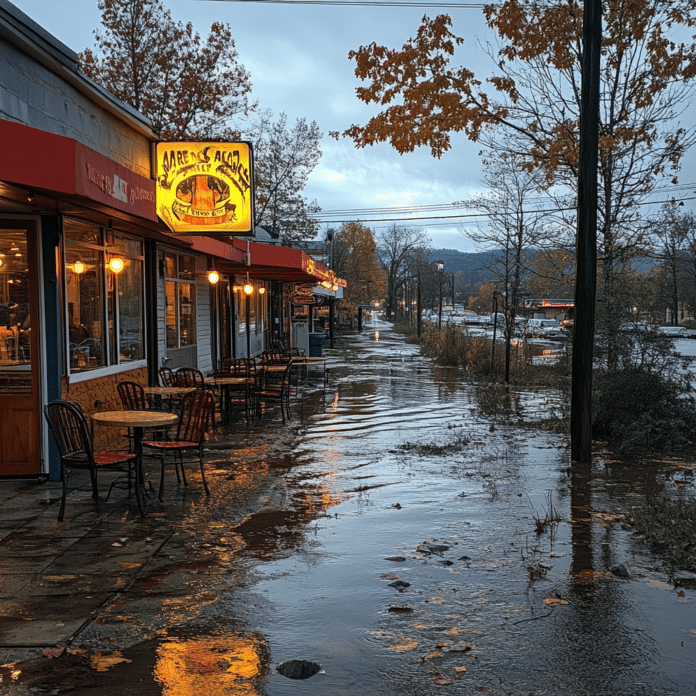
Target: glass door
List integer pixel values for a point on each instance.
(20, 451)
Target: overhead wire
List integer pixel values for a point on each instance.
(361, 3)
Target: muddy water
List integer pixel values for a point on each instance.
(428, 549)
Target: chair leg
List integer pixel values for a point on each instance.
(200, 461)
(161, 488)
(61, 512)
(95, 489)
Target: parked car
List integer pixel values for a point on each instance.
(634, 327)
(543, 328)
(674, 331)
(491, 319)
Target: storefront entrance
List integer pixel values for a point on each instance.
(20, 450)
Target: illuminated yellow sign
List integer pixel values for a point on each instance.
(205, 188)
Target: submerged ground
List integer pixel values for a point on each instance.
(410, 544)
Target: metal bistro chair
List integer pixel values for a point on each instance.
(133, 398)
(167, 377)
(193, 377)
(242, 395)
(196, 409)
(275, 388)
(74, 440)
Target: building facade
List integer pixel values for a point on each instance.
(93, 288)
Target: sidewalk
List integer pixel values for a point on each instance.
(105, 572)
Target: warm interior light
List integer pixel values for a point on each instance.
(117, 264)
(213, 276)
(248, 288)
(78, 267)
(2, 263)
(262, 291)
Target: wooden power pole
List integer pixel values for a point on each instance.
(586, 242)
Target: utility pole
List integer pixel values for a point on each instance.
(586, 245)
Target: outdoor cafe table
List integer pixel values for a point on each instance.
(307, 362)
(138, 420)
(166, 392)
(225, 384)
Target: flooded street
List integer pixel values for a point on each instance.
(410, 543)
(443, 554)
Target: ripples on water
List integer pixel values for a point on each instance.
(502, 610)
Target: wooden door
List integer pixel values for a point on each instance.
(20, 431)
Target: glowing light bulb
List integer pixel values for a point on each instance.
(117, 264)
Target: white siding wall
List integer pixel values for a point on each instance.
(203, 328)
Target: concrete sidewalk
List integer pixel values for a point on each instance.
(106, 573)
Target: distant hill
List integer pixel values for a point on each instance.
(474, 267)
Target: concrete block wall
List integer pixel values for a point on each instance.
(33, 95)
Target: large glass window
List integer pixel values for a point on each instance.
(104, 297)
(180, 294)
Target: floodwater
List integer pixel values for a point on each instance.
(443, 551)
(417, 544)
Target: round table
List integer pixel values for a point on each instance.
(138, 420)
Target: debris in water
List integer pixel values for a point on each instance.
(298, 669)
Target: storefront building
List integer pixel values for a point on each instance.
(93, 289)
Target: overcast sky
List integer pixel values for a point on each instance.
(298, 59)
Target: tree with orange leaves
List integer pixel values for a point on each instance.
(530, 106)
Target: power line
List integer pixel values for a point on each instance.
(469, 215)
(361, 3)
(406, 211)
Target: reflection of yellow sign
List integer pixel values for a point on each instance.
(205, 188)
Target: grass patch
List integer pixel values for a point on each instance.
(453, 444)
(669, 528)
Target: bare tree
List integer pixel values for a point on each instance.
(516, 226)
(285, 157)
(399, 248)
(674, 234)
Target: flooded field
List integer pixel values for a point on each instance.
(443, 554)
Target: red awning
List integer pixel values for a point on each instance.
(265, 261)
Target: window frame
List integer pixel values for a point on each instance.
(185, 274)
(105, 246)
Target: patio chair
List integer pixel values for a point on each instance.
(189, 377)
(72, 435)
(238, 396)
(196, 409)
(275, 388)
(166, 377)
(192, 377)
(133, 398)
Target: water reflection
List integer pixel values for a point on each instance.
(226, 664)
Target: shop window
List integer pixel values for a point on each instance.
(104, 297)
(15, 320)
(180, 294)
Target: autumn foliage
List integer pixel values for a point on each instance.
(189, 87)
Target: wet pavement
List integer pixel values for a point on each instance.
(398, 532)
